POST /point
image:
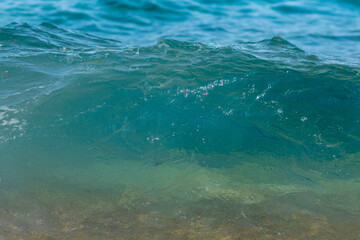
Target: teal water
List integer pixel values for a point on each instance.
(179, 120)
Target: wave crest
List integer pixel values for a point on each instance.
(267, 98)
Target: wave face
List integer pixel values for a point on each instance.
(162, 128)
(266, 97)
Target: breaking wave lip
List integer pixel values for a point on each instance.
(21, 41)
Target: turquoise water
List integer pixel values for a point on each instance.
(179, 120)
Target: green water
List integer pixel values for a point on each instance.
(175, 139)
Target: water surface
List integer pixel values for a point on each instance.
(179, 120)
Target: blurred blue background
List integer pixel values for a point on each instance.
(330, 28)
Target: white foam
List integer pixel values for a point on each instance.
(10, 122)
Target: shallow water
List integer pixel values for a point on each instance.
(191, 120)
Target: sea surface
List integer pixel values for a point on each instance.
(194, 119)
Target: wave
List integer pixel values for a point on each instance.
(69, 90)
(22, 37)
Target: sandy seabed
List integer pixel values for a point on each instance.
(176, 201)
(57, 214)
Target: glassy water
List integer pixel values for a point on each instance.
(179, 120)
